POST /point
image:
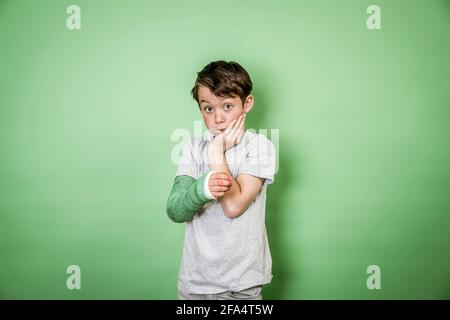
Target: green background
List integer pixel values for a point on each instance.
(363, 116)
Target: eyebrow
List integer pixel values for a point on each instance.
(201, 101)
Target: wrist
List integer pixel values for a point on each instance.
(201, 194)
(214, 149)
(207, 191)
(216, 157)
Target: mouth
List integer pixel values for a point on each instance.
(216, 131)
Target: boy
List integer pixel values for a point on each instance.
(220, 193)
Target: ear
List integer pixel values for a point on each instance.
(248, 104)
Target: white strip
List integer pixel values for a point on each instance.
(208, 193)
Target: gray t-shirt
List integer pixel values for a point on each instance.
(219, 253)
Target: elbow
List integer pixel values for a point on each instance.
(233, 212)
(171, 214)
(174, 214)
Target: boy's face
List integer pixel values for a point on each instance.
(219, 112)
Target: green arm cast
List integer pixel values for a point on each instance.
(186, 198)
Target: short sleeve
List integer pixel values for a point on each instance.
(260, 160)
(187, 165)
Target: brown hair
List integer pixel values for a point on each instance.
(224, 79)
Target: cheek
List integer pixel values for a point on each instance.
(208, 120)
(235, 115)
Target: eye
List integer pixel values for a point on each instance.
(228, 106)
(207, 109)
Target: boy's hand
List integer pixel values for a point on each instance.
(219, 184)
(232, 135)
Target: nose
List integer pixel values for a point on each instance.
(219, 118)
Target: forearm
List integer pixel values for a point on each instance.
(186, 198)
(230, 202)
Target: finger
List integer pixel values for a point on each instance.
(239, 138)
(219, 182)
(236, 137)
(218, 175)
(238, 122)
(225, 182)
(222, 176)
(230, 127)
(242, 125)
(214, 182)
(239, 131)
(218, 189)
(218, 194)
(239, 125)
(241, 118)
